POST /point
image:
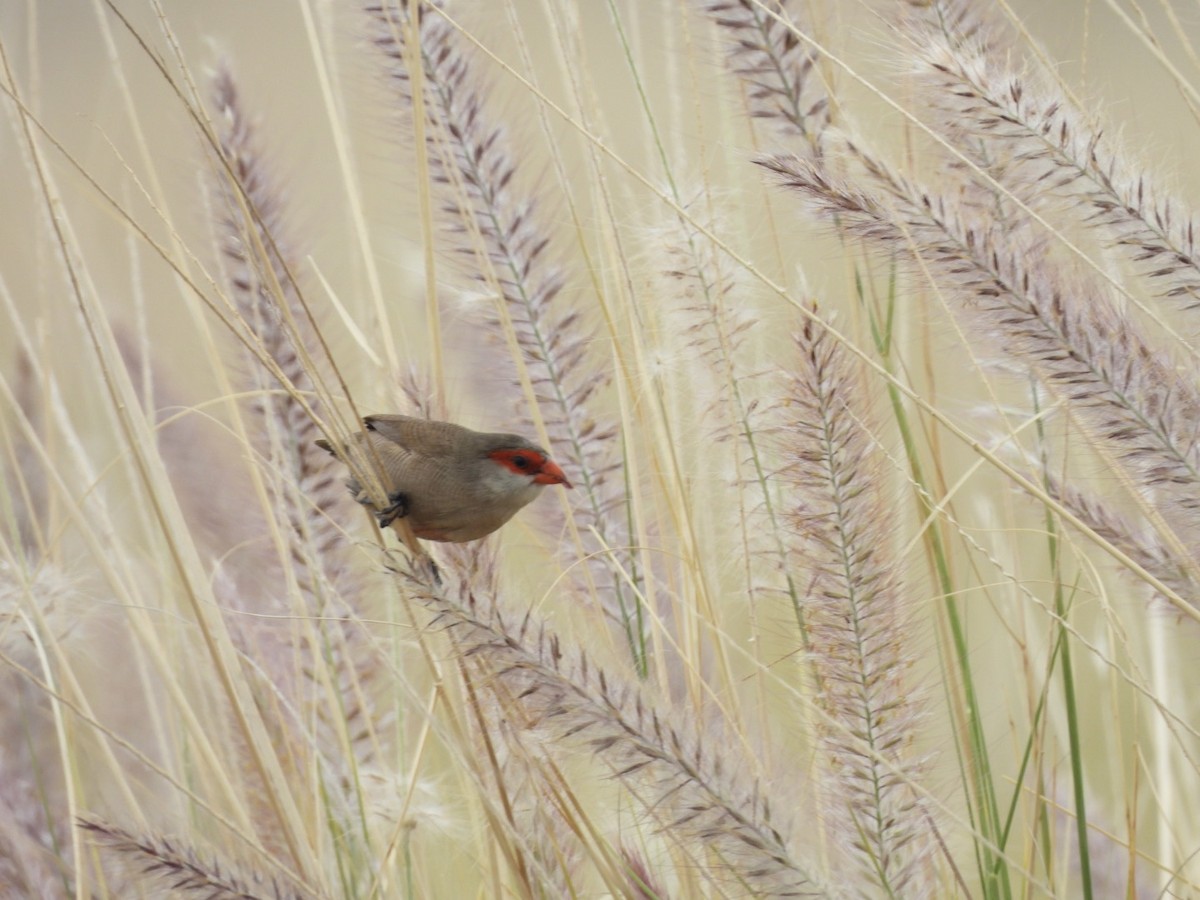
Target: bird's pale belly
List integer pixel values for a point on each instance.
(456, 533)
(467, 523)
(451, 536)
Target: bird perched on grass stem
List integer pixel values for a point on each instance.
(450, 483)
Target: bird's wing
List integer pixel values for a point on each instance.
(437, 440)
(375, 460)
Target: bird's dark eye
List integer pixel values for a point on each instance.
(520, 462)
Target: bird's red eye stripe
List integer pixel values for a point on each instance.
(521, 461)
(530, 462)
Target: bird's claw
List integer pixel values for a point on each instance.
(397, 509)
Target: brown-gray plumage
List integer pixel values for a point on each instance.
(449, 482)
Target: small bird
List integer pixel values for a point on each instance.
(449, 482)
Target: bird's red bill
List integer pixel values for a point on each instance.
(552, 474)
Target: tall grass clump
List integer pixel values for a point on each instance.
(863, 330)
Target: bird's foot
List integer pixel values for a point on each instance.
(398, 509)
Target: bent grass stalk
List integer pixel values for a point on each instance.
(197, 640)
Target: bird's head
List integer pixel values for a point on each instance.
(527, 465)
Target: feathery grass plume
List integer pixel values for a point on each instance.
(641, 883)
(305, 486)
(700, 276)
(1064, 325)
(506, 246)
(422, 394)
(1139, 543)
(543, 852)
(528, 793)
(783, 86)
(962, 21)
(857, 620)
(32, 595)
(531, 797)
(1052, 151)
(698, 284)
(260, 272)
(155, 860)
(689, 783)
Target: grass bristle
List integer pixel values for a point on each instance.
(166, 862)
(864, 334)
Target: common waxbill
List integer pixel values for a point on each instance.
(449, 482)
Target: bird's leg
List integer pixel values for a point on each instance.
(398, 509)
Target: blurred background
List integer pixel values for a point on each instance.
(115, 93)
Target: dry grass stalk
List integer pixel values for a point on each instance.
(25, 481)
(342, 660)
(261, 277)
(688, 784)
(540, 702)
(224, 526)
(642, 883)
